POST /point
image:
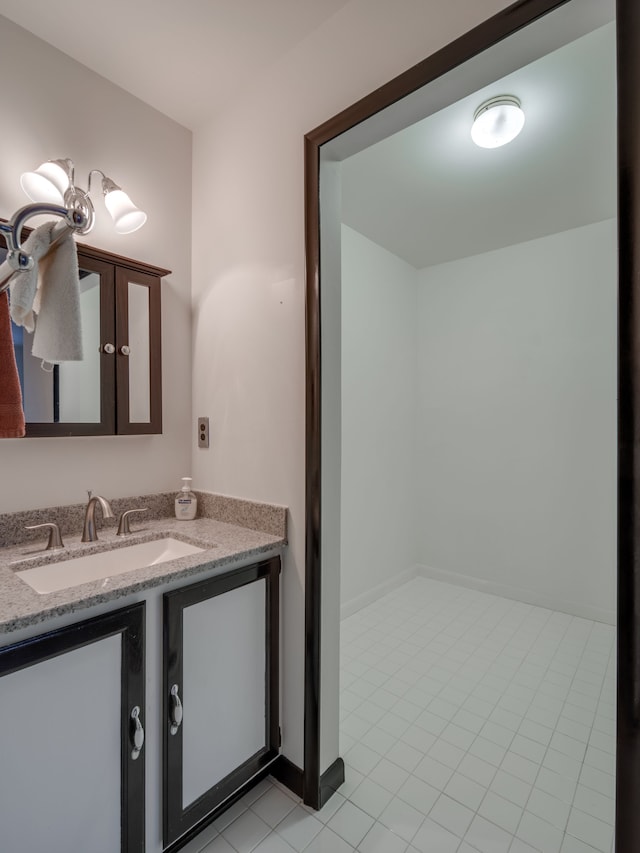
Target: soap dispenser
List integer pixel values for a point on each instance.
(186, 501)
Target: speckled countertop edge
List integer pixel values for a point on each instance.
(223, 544)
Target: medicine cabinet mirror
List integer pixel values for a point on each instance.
(117, 388)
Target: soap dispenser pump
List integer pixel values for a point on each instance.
(186, 502)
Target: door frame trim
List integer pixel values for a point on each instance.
(488, 33)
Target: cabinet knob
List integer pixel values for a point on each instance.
(109, 349)
(125, 350)
(176, 710)
(137, 733)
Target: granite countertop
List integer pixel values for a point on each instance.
(223, 543)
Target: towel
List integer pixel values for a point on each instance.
(52, 291)
(25, 283)
(58, 334)
(11, 414)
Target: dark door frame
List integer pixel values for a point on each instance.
(317, 787)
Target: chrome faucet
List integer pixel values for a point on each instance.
(89, 533)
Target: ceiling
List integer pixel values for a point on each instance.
(429, 195)
(184, 59)
(426, 193)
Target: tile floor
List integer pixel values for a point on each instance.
(469, 724)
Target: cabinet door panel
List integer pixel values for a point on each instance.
(70, 779)
(223, 686)
(59, 747)
(221, 653)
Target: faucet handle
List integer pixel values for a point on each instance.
(55, 539)
(123, 525)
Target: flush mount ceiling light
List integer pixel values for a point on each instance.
(54, 182)
(497, 121)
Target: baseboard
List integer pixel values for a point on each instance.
(584, 611)
(331, 780)
(288, 774)
(348, 608)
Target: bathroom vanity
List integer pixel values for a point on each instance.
(136, 706)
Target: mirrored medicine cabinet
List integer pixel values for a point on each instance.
(117, 388)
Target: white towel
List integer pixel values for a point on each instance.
(52, 291)
(24, 283)
(58, 335)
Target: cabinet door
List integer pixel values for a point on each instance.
(221, 691)
(138, 352)
(76, 397)
(71, 780)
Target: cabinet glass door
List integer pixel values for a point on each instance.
(221, 647)
(138, 357)
(75, 397)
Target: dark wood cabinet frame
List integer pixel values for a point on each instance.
(180, 824)
(116, 271)
(129, 623)
(317, 787)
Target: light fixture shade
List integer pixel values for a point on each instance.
(126, 216)
(48, 183)
(497, 121)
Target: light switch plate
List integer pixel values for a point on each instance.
(203, 432)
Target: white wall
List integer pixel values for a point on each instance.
(55, 107)
(248, 262)
(379, 419)
(517, 464)
(248, 265)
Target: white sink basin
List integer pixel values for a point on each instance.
(104, 564)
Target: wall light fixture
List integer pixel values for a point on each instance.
(54, 182)
(497, 121)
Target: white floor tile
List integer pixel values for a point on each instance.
(539, 834)
(433, 772)
(465, 791)
(593, 803)
(330, 807)
(326, 841)
(371, 798)
(274, 843)
(379, 839)
(589, 829)
(299, 828)
(273, 806)
(404, 755)
(362, 758)
(487, 837)
(431, 836)
(418, 794)
(389, 775)
(218, 845)
(500, 811)
(351, 823)
(246, 832)
(452, 815)
(220, 823)
(549, 808)
(402, 819)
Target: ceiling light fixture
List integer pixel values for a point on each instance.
(497, 121)
(54, 182)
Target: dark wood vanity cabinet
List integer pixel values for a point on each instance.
(221, 695)
(72, 739)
